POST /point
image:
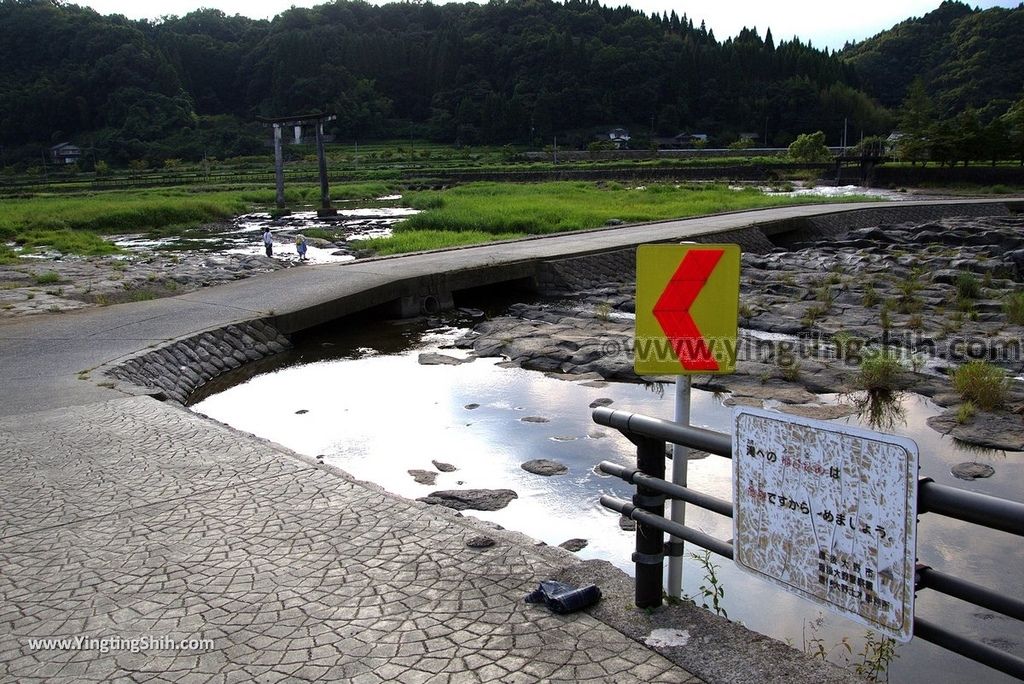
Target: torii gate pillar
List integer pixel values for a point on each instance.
(296, 122)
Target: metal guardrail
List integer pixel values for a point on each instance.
(648, 509)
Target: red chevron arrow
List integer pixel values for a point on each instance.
(673, 309)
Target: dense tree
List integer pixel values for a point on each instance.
(964, 56)
(507, 71)
(810, 147)
(1014, 121)
(916, 119)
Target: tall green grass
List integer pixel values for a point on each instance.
(73, 224)
(114, 212)
(420, 240)
(541, 208)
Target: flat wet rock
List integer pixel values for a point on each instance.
(535, 419)
(1002, 430)
(471, 499)
(574, 545)
(435, 359)
(545, 467)
(424, 477)
(971, 470)
(444, 467)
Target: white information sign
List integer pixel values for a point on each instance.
(829, 512)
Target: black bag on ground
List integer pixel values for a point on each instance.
(564, 598)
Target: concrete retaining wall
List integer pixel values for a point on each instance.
(593, 271)
(176, 369)
(790, 231)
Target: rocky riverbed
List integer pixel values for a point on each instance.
(937, 294)
(152, 266)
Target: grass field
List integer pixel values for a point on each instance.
(467, 214)
(73, 223)
(541, 208)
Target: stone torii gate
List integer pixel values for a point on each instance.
(297, 122)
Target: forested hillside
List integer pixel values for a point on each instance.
(965, 58)
(510, 71)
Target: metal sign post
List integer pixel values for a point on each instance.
(680, 454)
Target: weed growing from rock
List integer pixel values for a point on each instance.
(982, 383)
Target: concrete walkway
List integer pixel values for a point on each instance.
(124, 518)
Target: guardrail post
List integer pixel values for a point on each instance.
(650, 550)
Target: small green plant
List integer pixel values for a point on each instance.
(884, 319)
(875, 657)
(603, 311)
(967, 286)
(745, 311)
(870, 297)
(825, 296)
(880, 370)
(711, 589)
(981, 383)
(965, 412)
(813, 313)
(967, 306)
(815, 645)
(908, 301)
(915, 322)
(1013, 307)
(790, 369)
(847, 344)
(47, 278)
(917, 361)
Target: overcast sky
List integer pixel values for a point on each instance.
(825, 24)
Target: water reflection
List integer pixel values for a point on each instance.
(375, 412)
(881, 409)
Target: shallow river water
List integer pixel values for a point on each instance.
(360, 397)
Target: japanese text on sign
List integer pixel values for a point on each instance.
(828, 512)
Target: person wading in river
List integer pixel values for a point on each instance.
(268, 242)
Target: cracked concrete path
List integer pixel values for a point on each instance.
(193, 531)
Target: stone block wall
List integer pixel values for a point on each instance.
(178, 368)
(791, 231)
(560, 277)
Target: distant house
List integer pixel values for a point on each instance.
(749, 137)
(892, 143)
(618, 137)
(65, 153)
